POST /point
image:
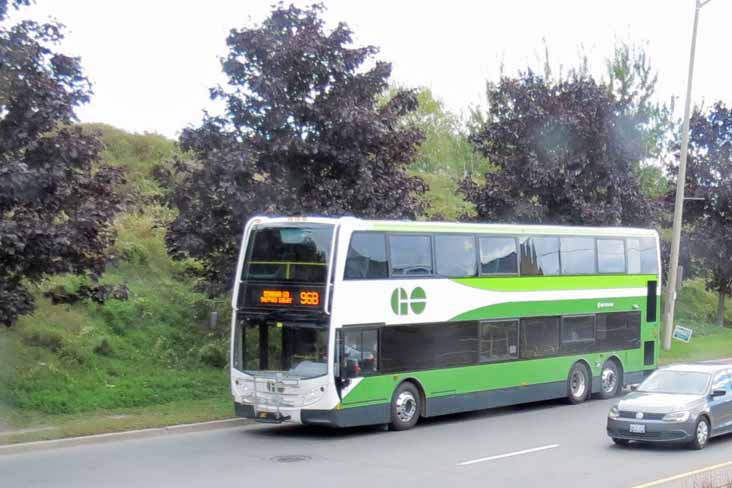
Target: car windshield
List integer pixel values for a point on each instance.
(677, 382)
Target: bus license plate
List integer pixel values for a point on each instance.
(637, 428)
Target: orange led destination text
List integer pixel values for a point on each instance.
(277, 297)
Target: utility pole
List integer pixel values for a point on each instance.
(668, 313)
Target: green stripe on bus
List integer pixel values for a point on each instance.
(547, 283)
(372, 390)
(553, 307)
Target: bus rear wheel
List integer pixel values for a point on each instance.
(405, 407)
(611, 379)
(578, 383)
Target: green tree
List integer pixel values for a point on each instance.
(56, 198)
(303, 133)
(565, 153)
(709, 176)
(445, 148)
(443, 158)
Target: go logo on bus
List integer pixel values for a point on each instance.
(401, 303)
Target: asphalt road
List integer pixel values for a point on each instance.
(539, 445)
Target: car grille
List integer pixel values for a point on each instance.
(648, 436)
(646, 416)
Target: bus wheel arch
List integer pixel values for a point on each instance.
(404, 415)
(579, 382)
(422, 396)
(611, 377)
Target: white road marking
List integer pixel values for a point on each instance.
(508, 454)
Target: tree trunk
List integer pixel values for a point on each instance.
(720, 309)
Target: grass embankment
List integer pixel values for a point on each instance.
(149, 360)
(697, 309)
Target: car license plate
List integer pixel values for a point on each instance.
(637, 428)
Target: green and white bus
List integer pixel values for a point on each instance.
(345, 322)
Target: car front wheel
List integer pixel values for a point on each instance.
(701, 434)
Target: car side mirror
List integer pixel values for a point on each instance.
(633, 387)
(718, 393)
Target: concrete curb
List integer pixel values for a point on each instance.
(118, 436)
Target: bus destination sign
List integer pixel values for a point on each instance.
(283, 296)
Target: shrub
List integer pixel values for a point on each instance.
(120, 315)
(39, 337)
(214, 354)
(103, 348)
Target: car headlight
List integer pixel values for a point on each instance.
(676, 417)
(614, 413)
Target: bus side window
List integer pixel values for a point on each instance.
(366, 256)
(642, 255)
(539, 256)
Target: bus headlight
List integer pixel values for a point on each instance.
(245, 388)
(313, 395)
(676, 417)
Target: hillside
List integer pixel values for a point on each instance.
(152, 348)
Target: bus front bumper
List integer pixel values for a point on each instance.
(351, 417)
(263, 416)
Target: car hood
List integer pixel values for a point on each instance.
(658, 402)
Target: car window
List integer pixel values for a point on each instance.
(721, 382)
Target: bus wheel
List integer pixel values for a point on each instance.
(578, 383)
(610, 379)
(405, 407)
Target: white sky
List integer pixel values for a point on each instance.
(152, 61)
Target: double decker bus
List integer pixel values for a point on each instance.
(346, 322)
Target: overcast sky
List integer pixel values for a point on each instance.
(152, 61)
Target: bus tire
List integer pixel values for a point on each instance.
(611, 379)
(579, 383)
(405, 407)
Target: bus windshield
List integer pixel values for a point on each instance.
(288, 253)
(299, 350)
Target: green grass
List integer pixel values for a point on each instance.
(38, 426)
(153, 349)
(696, 308)
(712, 346)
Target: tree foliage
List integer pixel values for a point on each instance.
(565, 152)
(709, 176)
(445, 148)
(56, 200)
(303, 133)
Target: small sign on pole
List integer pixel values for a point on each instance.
(682, 334)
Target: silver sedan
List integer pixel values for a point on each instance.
(681, 403)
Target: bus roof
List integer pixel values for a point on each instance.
(353, 223)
